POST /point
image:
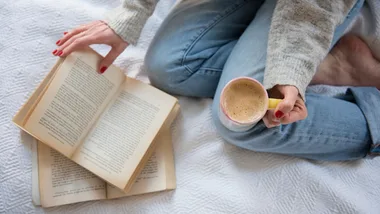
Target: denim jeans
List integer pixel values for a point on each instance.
(203, 44)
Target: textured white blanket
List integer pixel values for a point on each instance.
(213, 177)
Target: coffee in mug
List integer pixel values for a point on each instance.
(244, 102)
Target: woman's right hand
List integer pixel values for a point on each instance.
(291, 109)
(96, 32)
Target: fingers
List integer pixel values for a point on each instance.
(68, 35)
(110, 57)
(287, 104)
(76, 31)
(66, 44)
(270, 120)
(75, 43)
(291, 109)
(299, 112)
(85, 38)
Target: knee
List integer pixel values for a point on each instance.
(157, 67)
(168, 70)
(163, 67)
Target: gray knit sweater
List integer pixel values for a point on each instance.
(300, 35)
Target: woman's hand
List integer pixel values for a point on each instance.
(291, 109)
(96, 32)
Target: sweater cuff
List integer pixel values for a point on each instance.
(127, 24)
(294, 72)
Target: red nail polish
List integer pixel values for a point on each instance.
(54, 52)
(58, 42)
(104, 68)
(279, 114)
(64, 33)
(60, 53)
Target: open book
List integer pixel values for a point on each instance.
(106, 123)
(58, 180)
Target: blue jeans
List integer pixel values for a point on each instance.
(202, 45)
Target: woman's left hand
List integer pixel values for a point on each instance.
(291, 109)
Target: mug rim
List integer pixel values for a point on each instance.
(253, 120)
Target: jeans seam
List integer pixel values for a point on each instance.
(211, 71)
(203, 31)
(309, 135)
(357, 6)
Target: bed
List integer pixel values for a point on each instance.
(212, 176)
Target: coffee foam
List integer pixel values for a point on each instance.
(244, 101)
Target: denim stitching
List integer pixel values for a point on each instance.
(204, 71)
(311, 135)
(210, 69)
(203, 31)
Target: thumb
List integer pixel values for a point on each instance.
(109, 59)
(287, 104)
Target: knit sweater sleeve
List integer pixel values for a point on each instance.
(129, 18)
(300, 36)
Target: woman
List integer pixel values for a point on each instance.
(203, 44)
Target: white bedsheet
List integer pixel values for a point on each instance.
(212, 176)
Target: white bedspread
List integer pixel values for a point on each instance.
(213, 177)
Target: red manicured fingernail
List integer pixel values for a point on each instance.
(104, 68)
(55, 51)
(60, 53)
(64, 33)
(58, 42)
(279, 114)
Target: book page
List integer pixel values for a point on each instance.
(158, 173)
(22, 114)
(75, 98)
(123, 134)
(64, 182)
(35, 177)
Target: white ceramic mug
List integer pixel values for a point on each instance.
(239, 126)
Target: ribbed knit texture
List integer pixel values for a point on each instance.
(300, 36)
(128, 19)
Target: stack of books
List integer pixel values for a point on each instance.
(99, 136)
